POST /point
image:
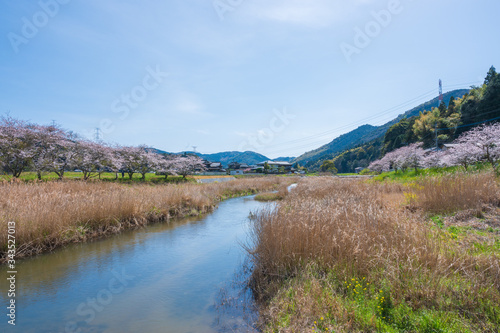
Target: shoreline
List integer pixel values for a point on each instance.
(166, 203)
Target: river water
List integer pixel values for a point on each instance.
(163, 278)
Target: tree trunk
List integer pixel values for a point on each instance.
(130, 174)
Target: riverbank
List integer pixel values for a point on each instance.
(49, 215)
(351, 256)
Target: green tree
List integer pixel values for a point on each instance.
(492, 74)
(451, 107)
(266, 167)
(329, 166)
(442, 109)
(398, 135)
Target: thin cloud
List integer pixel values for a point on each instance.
(312, 13)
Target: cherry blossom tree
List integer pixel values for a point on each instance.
(434, 159)
(62, 155)
(138, 160)
(185, 165)
(45, 137)
(411, 156)
(408, 157)
(130, 159)
(149, 161)
(390, 159)
(379, 166)
(464, 154)
(483, 143)
(92, 158)
(167, 166)
(16, 145)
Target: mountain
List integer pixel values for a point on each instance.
(283, 159)
(247, 157)
(339, 144)
(368, 133)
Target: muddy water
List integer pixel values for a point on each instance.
(165, 278)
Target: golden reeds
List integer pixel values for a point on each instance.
(49, 215)
(349, 229)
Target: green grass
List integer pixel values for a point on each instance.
(410, 175)
(364, 306)
(107, 176)
(477, 242)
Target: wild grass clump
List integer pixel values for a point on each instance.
(52, 214)
(346, 256)
(268, 196)
(453, 192)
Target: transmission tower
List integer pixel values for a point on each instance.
(97, 135)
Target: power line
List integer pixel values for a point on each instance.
(357, 123)
(489, 111)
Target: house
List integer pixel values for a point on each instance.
(237, 166)
(211, 167)
(215, 167)
(358, 170)
(276, 166)
(237, 172)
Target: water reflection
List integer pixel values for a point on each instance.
(164, 278)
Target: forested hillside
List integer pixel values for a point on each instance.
(365, 134)
(463, 111)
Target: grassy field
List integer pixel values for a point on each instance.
(341, 255)
(107, 176)
(51, 214)
(411, 175)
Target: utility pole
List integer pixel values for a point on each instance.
(436, 131)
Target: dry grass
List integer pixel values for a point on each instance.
(273, 196)
(329, 236)
(49, 215)
(451, 193)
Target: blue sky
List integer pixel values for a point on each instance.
(279, 77)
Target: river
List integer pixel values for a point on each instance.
(163, 278)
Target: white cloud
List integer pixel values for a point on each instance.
(188, 103)
(312, 13)
(202, 131)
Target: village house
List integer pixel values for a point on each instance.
(213, 167)
(274, 167)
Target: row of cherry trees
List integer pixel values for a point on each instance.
(481, 144)
(25, 146)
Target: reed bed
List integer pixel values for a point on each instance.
(347, 256)
(49, 215)
(454, 192)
